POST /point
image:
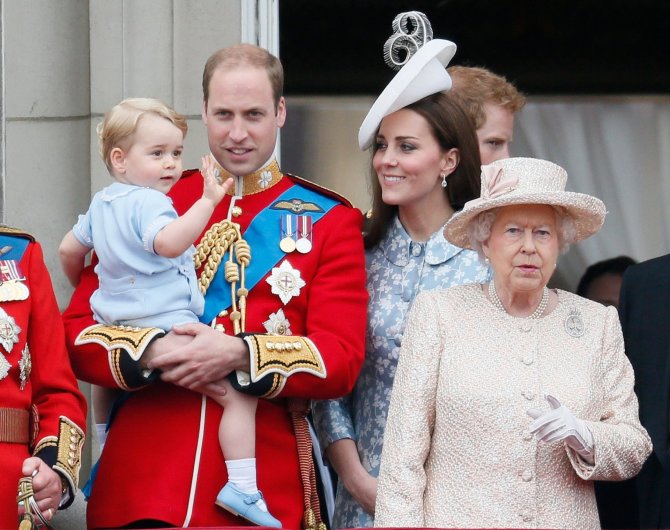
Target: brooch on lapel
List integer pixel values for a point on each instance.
(574, 325)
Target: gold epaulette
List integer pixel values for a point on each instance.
(321, 189)
(10, 231)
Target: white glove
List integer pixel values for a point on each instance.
(561, 424)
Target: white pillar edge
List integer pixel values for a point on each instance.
(260, 26)
(3, 130)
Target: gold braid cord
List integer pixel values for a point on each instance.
(30, 515)
(223, 237)
(312, 517)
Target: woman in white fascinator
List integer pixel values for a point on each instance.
(425, 167)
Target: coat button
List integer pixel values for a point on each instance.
(416, 249)
(527, 476)
(527, 360)
(398, 340)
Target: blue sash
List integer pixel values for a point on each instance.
(18, 243)
(263, 235)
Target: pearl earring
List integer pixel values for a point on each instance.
(444, 179)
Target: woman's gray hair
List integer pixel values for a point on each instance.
(479, 229)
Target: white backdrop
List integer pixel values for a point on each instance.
(616, 148)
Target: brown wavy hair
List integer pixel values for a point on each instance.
(452, 128)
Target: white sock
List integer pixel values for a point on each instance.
(100, 429)
(242, 474)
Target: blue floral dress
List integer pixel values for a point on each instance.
(398, 269)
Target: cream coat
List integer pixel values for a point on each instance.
(457, 451)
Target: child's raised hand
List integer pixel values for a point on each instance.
(213, 190)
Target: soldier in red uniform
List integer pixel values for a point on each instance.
(42, 412)
(282, 268)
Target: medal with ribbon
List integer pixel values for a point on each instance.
(304, 243)
(12, 287)
(288, 227)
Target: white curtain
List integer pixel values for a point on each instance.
(616, 148)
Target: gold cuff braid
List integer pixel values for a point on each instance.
(131, 339)
(70, 443)
(284, 355)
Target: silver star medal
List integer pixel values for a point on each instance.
(4, 366)
(286, 282)
(25, 365)
(9, 331)
(278, 324)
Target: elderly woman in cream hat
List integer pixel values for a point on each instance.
(505, 419)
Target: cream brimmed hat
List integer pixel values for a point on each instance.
(526, 181)
(423, 70)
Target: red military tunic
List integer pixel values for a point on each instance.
(39, 397)
(162, 458)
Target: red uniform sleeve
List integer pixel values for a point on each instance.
(111, 367)
(59, 408)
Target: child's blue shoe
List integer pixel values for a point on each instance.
(245, 505)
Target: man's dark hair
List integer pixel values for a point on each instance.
(615, 266)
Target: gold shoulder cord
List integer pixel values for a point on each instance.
(210, 251)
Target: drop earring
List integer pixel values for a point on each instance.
(444, 179)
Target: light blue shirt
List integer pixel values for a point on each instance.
(398, 269)
(137, 286)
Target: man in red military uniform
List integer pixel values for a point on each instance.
(42, 412)
(282, 267)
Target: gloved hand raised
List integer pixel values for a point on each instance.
(561, 424)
